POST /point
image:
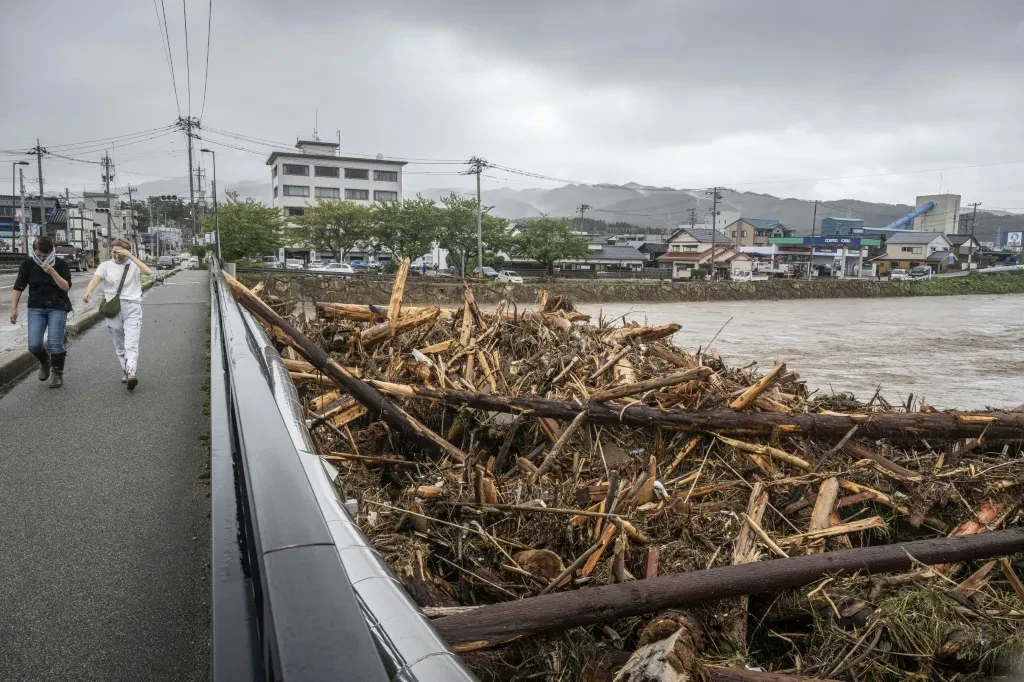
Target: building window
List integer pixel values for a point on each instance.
(744, 233)
(327, 171)
(385, 176)
(357, 194)
(294, 211)
(357, 174)
(380, 195)
(273, 171)
(734, 233)
(327, 193)
(296, 191)
(295, 169)
(275, 192)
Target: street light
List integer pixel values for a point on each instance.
(14, 165)
(216, 216)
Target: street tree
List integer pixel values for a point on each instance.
(408, 229)
(548, 240)
(334, 225)
(457, 233)
(248, 229)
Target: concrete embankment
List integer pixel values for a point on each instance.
(430, 290)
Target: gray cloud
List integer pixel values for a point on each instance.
(660, 92)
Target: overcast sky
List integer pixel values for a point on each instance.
(810, 99)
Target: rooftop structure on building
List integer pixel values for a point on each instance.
(316, 171)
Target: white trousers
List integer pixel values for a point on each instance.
(126, 328)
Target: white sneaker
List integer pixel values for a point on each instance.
(124, 378)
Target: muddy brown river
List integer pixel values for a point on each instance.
(964, 352)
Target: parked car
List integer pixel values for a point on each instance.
(489, 273)
(294, 264)
(509, 276)
(72, 256)
(921, 272)
(335, 268)
(363, 265)
(165, 263)
(270, 262)
(898, 274)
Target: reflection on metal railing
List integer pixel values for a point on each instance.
(301, 503)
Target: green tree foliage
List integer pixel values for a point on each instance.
(408, 228)
(248, 230)
(335, 226)
(547, 240)
(457, 233)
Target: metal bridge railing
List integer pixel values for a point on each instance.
(298, 591)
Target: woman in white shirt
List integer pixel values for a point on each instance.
(126, 326)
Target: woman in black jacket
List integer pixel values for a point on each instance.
(48, 279)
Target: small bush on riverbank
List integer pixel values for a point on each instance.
(974, 283)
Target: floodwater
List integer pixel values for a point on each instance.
(964, 352)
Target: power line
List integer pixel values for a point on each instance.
(206, 78)
(166, 45)
(188, 68)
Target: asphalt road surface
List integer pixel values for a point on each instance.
(104, 546)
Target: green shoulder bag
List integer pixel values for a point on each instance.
(112, 307)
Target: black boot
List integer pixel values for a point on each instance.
(44, 364)
(57, 362)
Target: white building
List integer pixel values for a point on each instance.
(118, 225)
(316, 171)
(944, 218)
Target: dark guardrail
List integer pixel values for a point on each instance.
(298, 591)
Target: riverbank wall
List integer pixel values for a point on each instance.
(432, 290)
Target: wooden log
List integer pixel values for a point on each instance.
(376, 404)
(397, 291)
(744, 551)
(671, 357)
(402, 324)
(643, 333)
(838, 529)
(650, 384)
(559, 445)
(750, 395)
(824, 505)
(861, 452)
(500, 622)
(937, 425)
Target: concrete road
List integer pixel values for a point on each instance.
(104, 547)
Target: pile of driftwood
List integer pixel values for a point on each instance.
(572, 499)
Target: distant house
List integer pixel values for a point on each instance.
(653, 251)
(690, 247)
(909, 249)
(964, 246)
(756, 231)
(603, 257)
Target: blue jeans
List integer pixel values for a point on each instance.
(51, 322)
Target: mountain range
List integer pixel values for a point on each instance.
(662, 208)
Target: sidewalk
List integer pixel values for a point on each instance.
(104, 550)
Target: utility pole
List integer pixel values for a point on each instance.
(477, 166)
(583, 208)
(216, 215)
(715, 196)
(814, 224)
(131, 219)
(106, 179)
(24, 223)
(70, 236)
(974, 224)
(42, 201)
(187, 124)
(21, 226)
